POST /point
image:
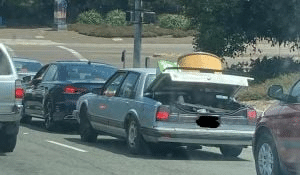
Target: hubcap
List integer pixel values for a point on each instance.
(132, 134)
(265, 159)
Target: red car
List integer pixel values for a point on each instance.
(276, 143)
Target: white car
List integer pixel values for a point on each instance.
(11, 95)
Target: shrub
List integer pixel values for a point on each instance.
(267, 68)
(104, 30)
(90, 17)
(116, 18)
(259, 91)
(171, 21)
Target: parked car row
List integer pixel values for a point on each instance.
(149, 109)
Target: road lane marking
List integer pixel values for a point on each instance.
(39, 37)
(76, 54)
(67, 146)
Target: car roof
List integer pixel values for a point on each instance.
(25, 59)
(141, 70)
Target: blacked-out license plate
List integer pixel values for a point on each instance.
(208, 121)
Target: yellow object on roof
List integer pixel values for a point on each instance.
(200, 60)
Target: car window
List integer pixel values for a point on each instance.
(149, 80)
(128, 87)
(39, 75)
(23, 66)
(295, 91)
(113, 85)
(51, 72)
(93, 72)
(5, 68)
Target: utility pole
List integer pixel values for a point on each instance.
(137, 34)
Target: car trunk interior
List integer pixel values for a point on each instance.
(193, 97)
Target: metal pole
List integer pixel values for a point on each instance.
(137, 34)
(147, 59)
(123, 58)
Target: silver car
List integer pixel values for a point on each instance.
(11, 94)
(174, 108)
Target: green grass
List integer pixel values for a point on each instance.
(108, 31)
(259, 91)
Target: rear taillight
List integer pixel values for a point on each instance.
(74, 90)
(251, 115)
(19, 91)
(163, 113)
(70, 90)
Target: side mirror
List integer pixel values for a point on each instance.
(276, 91)
(97, 91)
(26, 79)
(35, 81)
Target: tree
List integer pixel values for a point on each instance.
(225, 27)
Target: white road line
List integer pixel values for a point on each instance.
(67, 146)
(76, 54)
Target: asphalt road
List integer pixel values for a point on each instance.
(39, 152)
(107, 53)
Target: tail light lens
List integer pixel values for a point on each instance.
(70, 90)
(19, 92)
(251, 115)
(163, 113)
(74, 90)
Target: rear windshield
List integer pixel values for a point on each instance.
(23, 66)
(97, 72)
(5, 68)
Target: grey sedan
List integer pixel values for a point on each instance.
(173, 108)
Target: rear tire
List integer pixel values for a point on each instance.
(86, 131)
(49, 122)
(231, 151)
(135, 141)
(8, 143)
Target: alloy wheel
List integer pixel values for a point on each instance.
(132, 134)
(265, 159)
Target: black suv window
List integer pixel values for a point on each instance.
(127, 88)
(41, 72)
(50, 73)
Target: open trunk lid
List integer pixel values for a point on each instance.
(192, 95)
